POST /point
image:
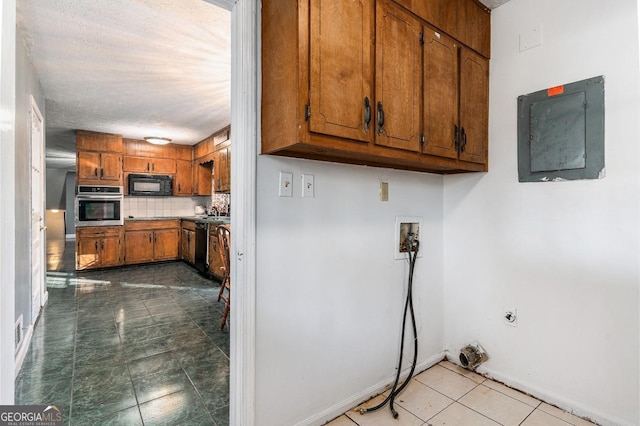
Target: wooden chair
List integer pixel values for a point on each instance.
(224, 239)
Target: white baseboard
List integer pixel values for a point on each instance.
(70, 236)
(22, 350)
(353, 401)
(573, 407)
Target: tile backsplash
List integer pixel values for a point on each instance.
(163, 206)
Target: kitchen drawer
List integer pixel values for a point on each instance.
(146, 225)
(98, 231)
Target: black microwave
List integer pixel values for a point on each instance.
(150, 185)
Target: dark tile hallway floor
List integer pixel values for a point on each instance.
(130, 346)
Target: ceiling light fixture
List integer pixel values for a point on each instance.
(157, 141)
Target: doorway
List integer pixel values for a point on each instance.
(38, 290)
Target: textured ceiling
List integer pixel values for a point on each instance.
(133, 67)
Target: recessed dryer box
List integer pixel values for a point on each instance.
(561, 132)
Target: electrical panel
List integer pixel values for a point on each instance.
(561, 132)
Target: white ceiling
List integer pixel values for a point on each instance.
(132, 67)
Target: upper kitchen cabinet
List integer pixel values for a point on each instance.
(341, 69)
(183, 184)
(468, 21)
(99, 158)
(456, 98)
(222, 170)
(398, 78)
(352, 81)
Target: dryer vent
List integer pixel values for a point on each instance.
(472, 355)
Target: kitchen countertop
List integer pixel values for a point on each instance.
(199, 219)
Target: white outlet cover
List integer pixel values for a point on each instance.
(285, 186)
(398, 255)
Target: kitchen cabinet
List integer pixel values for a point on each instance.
(98, 247)
(456, 96)
(149, 165)
(309, 56)
(183, 183)
(98, 158)
(222, 170)
(203, 176)
(398, 78)
(188, 242)
(468, 21)
(151, 241)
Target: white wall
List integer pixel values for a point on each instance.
(329, 292)
(564, 254)
(7, 195)
(56, 191)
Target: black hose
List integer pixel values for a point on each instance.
(395, 390)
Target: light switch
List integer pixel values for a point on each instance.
(307, 186)
(285, 189)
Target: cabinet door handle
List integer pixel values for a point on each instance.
(153, 166)
(102, 245)
(178, 188)
(96, 246)
(95, 172)
(155, 237)
(463, 139)
(380, 118)
(147, 166)
(149, 237)
(101, 173)
(456, 137)
(367, 113)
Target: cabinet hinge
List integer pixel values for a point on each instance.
(421, 38)
(421, 140)
(307, 112)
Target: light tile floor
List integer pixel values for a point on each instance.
(447, 394)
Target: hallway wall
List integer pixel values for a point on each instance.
(564, 254)
(27, 83)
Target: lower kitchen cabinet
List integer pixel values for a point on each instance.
(188, 242)
(151, 241)
(98, 247)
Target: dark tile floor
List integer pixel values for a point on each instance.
(129, 346)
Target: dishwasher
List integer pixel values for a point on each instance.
(201, 234)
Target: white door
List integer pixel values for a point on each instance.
(38, 295)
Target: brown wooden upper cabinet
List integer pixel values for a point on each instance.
(183, 183)
(149, 165)
(222, 170)
(99, 158)
(360, 82)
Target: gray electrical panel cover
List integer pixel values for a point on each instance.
(561, 132)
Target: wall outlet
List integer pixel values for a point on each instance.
(510, 316)
(408, 229)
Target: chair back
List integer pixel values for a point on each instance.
(224, 240)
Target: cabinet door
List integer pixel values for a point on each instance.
(221, 170)
(188, 244)
(165, 244)
(111, 168)
(163, 165)
(87, 253)
(137, 164)
(138, 246)
(474, 106)
(398, 78)
(88, 165)
(110, 251)
(203, 174)
(440, 82)
(474, 26)
(183, 184)
(341, 68)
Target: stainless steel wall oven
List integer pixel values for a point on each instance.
(99, 205)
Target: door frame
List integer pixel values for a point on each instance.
(245, 95)
(44, 295)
